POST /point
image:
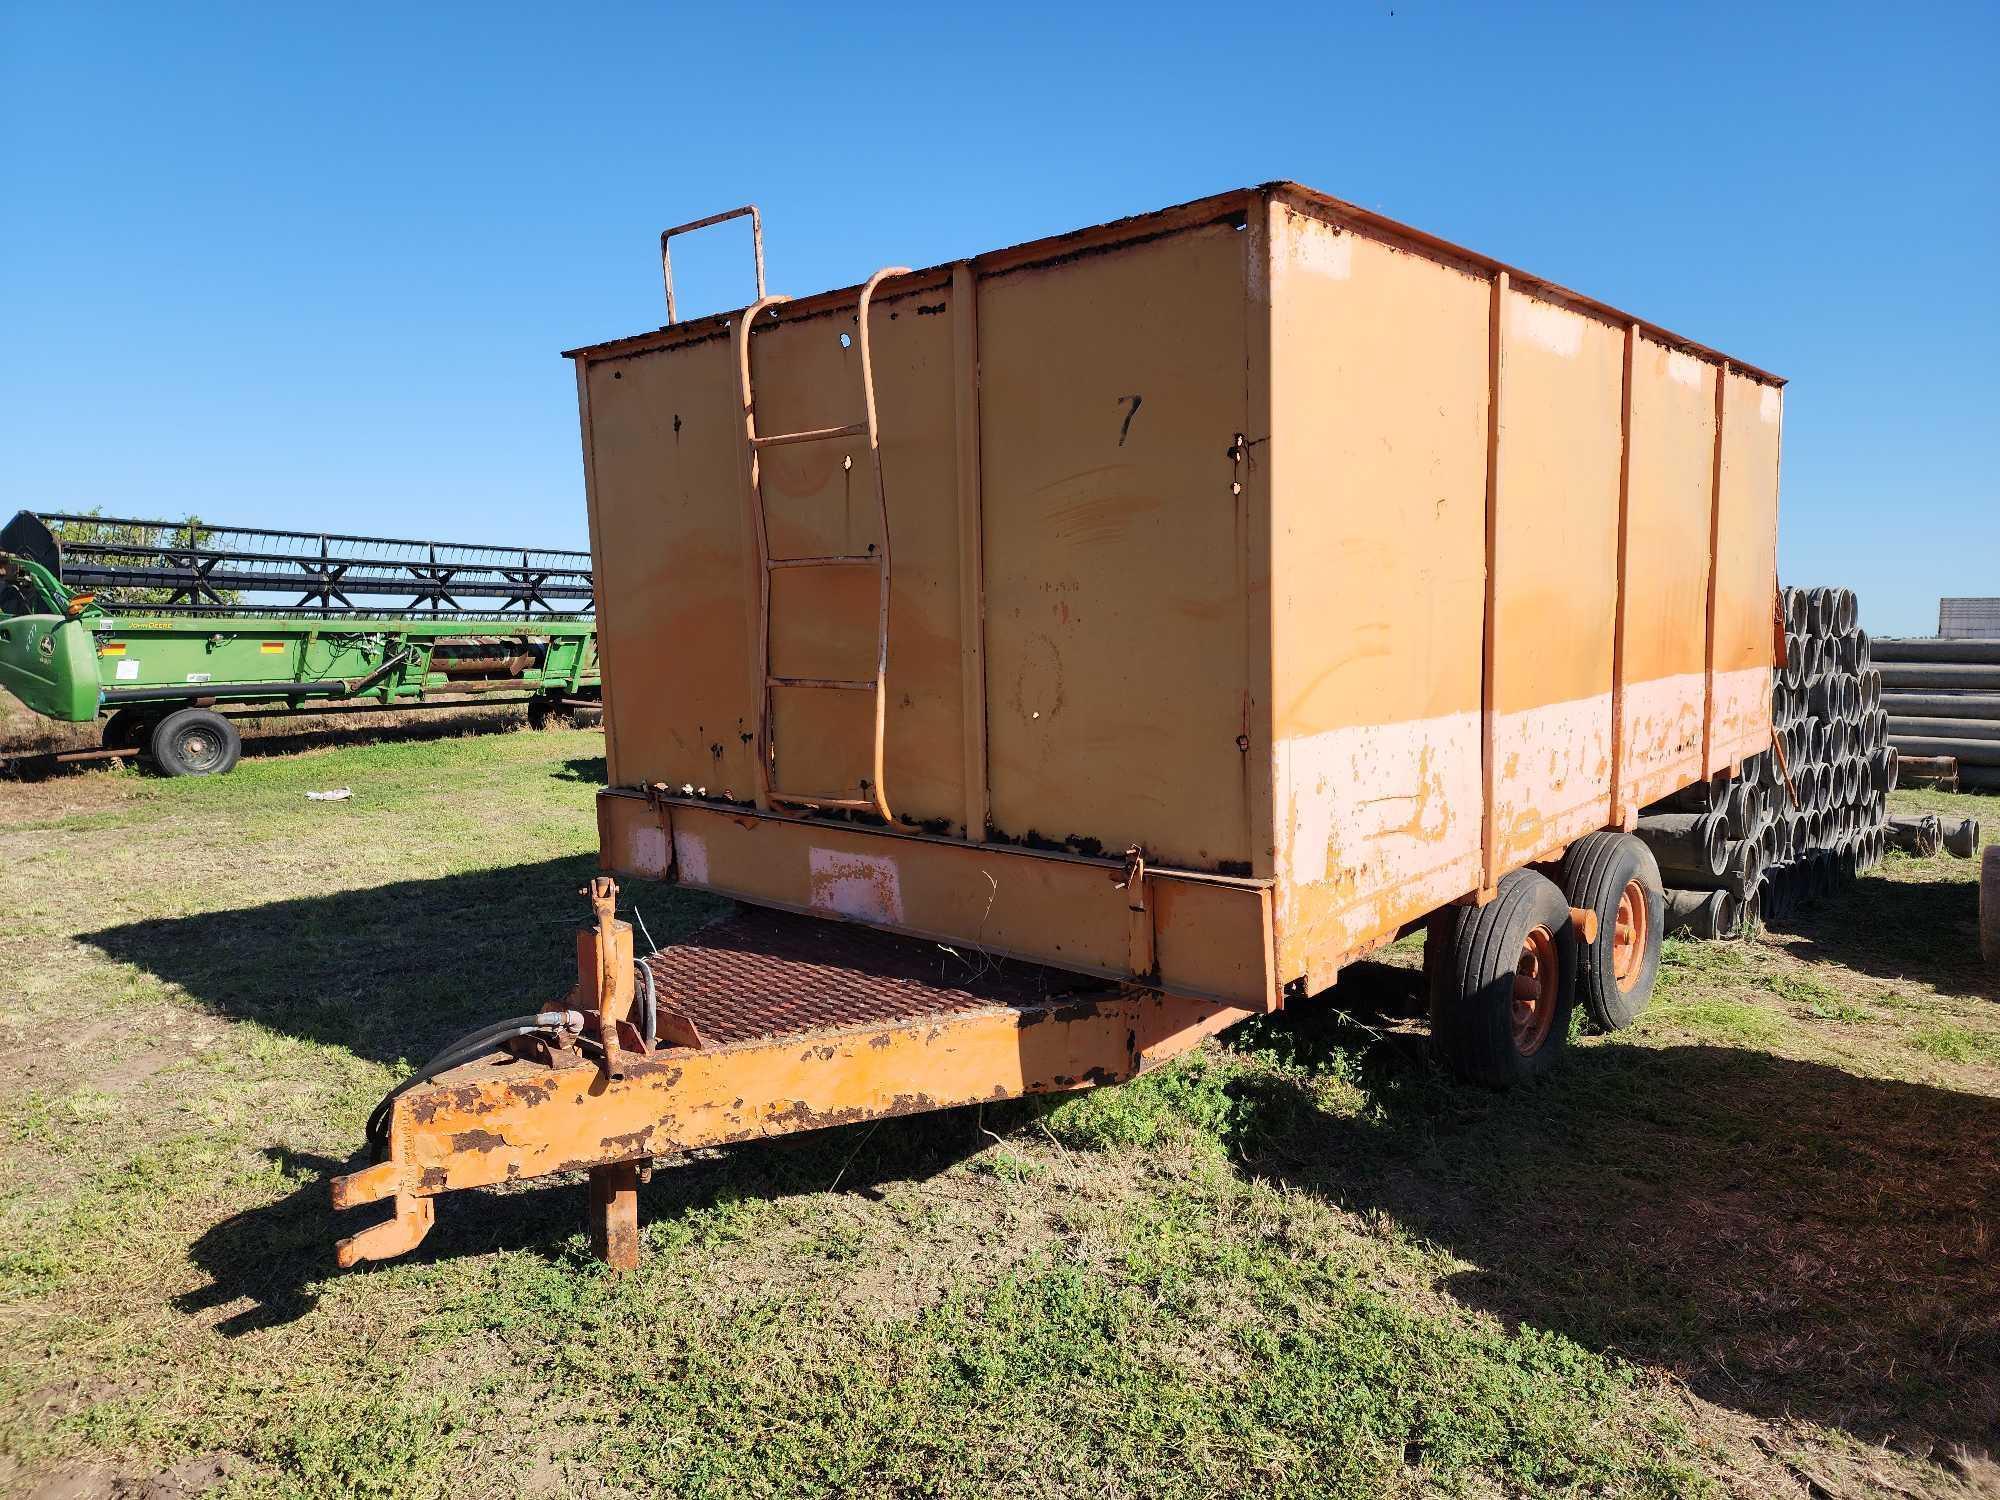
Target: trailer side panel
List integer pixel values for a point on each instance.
(1378, 579)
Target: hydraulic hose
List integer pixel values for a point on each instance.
(501, 1030)
(463, 1051)
(649, 1002)
(477, 1043)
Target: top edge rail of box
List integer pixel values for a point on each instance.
(1218, 208)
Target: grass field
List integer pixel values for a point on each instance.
(1749, 1247)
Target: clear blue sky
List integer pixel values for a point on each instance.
(313, 265)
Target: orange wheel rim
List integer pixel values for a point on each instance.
(1628, 936)
(1536, 982)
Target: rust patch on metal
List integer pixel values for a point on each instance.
(477, 1140)
(463, 1099)
(631, 1143)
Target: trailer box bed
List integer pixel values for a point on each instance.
(1332, 570)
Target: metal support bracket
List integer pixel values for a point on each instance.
(614, 1215)
(604, 969)
(1144, 965)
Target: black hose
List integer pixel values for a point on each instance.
(451, 1057)
(498, 1030)
(477, 1043)
(377, 1130)
(649, 1003)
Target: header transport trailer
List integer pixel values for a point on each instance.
(1066, 653)
(174, 630)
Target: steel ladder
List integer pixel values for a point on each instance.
(754, 443)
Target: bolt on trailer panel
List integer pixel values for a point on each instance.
(1203, 597)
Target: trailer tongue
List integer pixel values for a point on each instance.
(768, 1023)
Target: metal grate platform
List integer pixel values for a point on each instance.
(757, 974)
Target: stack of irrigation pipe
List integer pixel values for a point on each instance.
(1943, 701)
(1799, 818)
(1925, 834)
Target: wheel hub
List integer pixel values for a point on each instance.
(1629, 935)
(1537, 979)
(199, 749)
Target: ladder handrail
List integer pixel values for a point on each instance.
(882, 509)
(760, 536)
(754, 443)
(756, 246)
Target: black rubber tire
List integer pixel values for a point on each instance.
(194, 742)
(1472, 982)
(543, 711)
(1594, 875)
(127, 729)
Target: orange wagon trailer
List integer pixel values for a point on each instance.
(1067, 652)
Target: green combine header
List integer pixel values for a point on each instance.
(172, 631)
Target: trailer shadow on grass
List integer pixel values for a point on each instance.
(586, 770)
(1787, 1238)
(1911, 931)
(391, 972)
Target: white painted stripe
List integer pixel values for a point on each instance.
(1742, 710)
(1372, 805)
(1549, 762)
(862, 887)
(1553, 328)
(1683, 369)
(691, 857)
(648, 853)
(1662, 723)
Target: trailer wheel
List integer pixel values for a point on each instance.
(1504, 985)
(1616, 876)
(195, 742)
(542, 710)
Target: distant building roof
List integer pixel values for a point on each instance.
(1969, 619)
